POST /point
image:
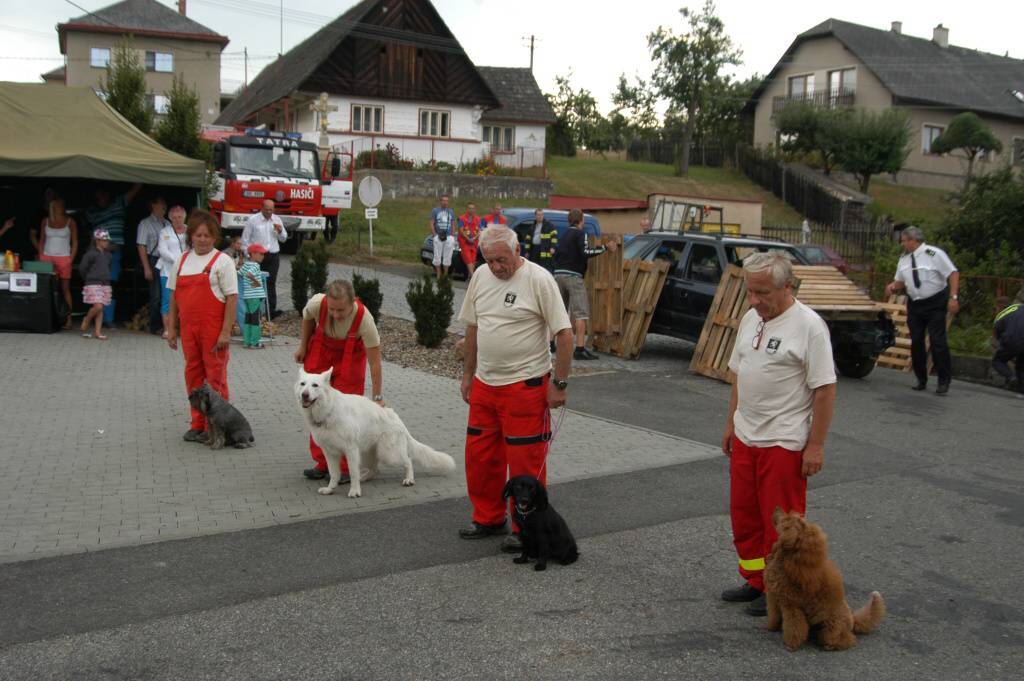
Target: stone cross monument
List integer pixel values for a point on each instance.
(321, 106)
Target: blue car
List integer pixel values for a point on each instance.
(520, 220)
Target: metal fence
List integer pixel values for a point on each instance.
(664, 151)
(854, 241)
(426, 154)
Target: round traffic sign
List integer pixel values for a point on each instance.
(370, 191)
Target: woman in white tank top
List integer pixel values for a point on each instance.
(58, 245)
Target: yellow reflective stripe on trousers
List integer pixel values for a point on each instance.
(754, 564)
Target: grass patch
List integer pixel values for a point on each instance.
(925, 208)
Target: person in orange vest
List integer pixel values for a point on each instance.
(469, 232)
(339, 332)
(204, 292)
(495, 217)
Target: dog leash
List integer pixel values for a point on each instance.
(554, 433)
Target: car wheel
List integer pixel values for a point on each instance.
(855, 367)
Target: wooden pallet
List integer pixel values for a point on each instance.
(826, 290)
(711, 357)
(604, 291)
(898, 356)
(641, 289)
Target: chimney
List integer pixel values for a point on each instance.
(940, 36)
(897, 27)
(181, 7)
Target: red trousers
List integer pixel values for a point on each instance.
(761, 479)
(508, 435)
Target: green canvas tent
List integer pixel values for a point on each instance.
(53, 131)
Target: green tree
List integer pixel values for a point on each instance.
(722, 123)
(578, 122)
(179, 128)
(874, 142)
(689, 66)
(635, 106)
(986, 230)
(969, 134)
(809, 129)
(125, 86)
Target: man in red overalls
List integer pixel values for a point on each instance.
(339, 332)
(511, 309)
(469, 232)
(205, 290)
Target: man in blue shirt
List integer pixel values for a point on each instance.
(442, 226)
(108, 214)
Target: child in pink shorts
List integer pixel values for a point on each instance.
(95, 271)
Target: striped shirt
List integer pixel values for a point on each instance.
(110, 218)
(249, 290)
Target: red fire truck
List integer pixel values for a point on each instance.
(254, 164)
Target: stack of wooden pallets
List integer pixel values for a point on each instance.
(623, 295)
(604, 288)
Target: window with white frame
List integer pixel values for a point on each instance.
(928, 135)
(160, 104)
(367, 118)
(99, 57)
(434, 123)
(161, 62)
(801, 87)
(501, 138)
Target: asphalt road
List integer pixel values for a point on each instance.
(921, 497)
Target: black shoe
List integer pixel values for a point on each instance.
(276, 313)
(919, 386)
(315, 473)
(478, 531)
(757, 607)
(741, 594)
(512, 544)
(942, 389)
(194, 435)
(583, 353)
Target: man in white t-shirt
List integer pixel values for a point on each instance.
(267, 230)
(783, 393)
(932, 284)
(511, 310)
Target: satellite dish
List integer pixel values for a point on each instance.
(370, 191)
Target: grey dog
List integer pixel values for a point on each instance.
(225, 423)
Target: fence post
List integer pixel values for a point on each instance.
(520, 161)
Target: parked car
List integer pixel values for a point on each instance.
(697, 262)
(521, 221)
(817, 254)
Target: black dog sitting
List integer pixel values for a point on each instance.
(543, 532)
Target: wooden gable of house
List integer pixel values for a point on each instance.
(401, 49)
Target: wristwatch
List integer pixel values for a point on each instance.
(955, 297)
(560, 383)
(378, 398)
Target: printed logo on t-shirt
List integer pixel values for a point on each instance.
(773, 345)
(510, 299)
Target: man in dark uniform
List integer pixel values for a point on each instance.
(932, 284)
(539, 241)
(1010, 335)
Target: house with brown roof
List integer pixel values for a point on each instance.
(838, 63)
(168, 43)
(395, 75)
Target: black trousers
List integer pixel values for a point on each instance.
(271, 263)
(1005, 353)
(929, 315)
(156, 321)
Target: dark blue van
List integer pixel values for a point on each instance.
(521, 221)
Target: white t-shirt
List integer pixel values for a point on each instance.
(223, 276)
(515, 321)
(775, 383)
(933, 269)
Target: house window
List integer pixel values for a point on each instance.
(501, 138)
(434, 123)
(367, 118)
(843, 79)
(928, 135)
(160, 104)
(161, 62)
(801, 87)
(99, 57)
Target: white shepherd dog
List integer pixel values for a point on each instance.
(364, 432)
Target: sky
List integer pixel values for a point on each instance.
(593, 41)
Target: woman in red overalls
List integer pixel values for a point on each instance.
(348, 356)
(206, 320)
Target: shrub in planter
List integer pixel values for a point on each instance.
(431, 304)
(301, 266)
(368, 291)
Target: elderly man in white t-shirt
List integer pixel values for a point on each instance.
(783, 393)
(267, 230)
(511, 310)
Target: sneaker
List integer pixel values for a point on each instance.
(478, 531)
(741, 594)
(317, 474)
(194, 435)
(512, 543)
(583, 354)
(919, 387)
(942, 389)
(757, 607)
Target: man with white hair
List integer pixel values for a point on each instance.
(783, 393)
(512, 307)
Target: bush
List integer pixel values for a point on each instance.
(431, 305)
(388, 158)
(368, 291)
(301, 266)
(317, 273)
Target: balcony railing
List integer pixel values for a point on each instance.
(825, 99)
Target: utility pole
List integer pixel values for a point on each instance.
(246, 51)
(281, 49)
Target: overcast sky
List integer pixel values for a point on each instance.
(595, 41)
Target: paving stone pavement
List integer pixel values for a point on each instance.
(92, 455)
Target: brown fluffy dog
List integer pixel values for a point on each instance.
(805, 590)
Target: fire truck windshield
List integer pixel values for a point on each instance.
(274, 161)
